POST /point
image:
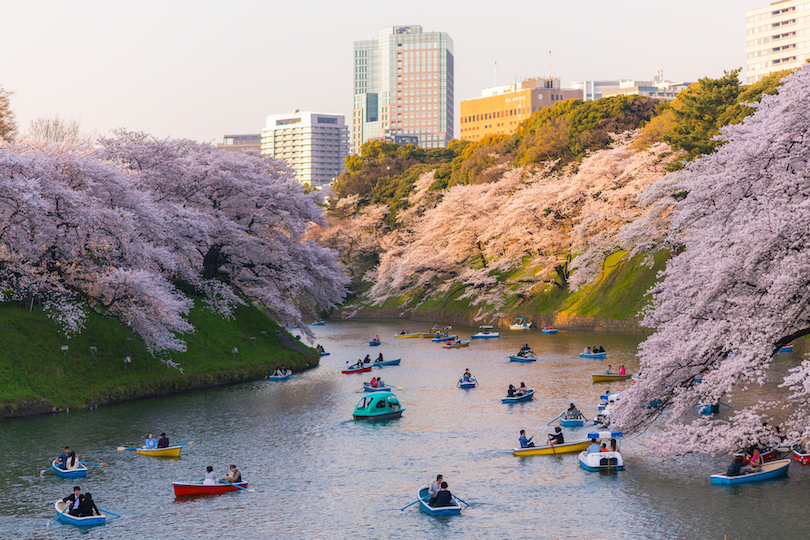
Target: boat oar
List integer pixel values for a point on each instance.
(46, 470)
(120, 448)
(61, 514)
(721, 403)
(189, 443)
(240, 487)
(108, 512)
(413, 503)
(91, 463)
(461, 500)
(562, 413)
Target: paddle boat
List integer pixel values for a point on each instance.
(485, 332)
(378, 406)
(520, 324)
(318, 323)
(549, 330)
(787, 348)
(551, 449)
(77, 471)
(608, 377)
(598, 356)
(368, 387)
(356, 369)
(287, 375)
(472, 383)
(86, 521)
(375, 343)
(602, 461)
(184, 489)
(800, 455)
(387, 363)
(769, 470)
(408, 335)
(169, 451)
(528, 358)
(528, 396)
(443, 337)
(424, 496)
(456, 345)
(606, 400)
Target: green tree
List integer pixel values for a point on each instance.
(8, 123)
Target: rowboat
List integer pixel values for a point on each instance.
(424, 496)
(549, 449)
(472, 383)
(457, 345)
(291, 326)
(86, 521)
(318, 323)
(442, 337)
(485, 332)
(79, 471)
(769, 470)
(549, 330)
(378, 406)
(281, 377)
(387, 363)
(169, 451)
(598, 356)
(408, 336)
(572, 422)
(184, 489)
(528, 396)
(375, 343)
(367, 387)
(773, 454)
(786, 348)
(522, 359)
(324, 353)
(607, 377)
(800, 456)
(520, 324)
(357, 369)
(602, 461)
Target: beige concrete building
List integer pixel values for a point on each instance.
(777, 38)
(500, 109)
(654, 89)
(240, 143)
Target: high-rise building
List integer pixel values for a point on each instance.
(403, 86)
(778, 37)
(240, 143)
(314, 145)
(500, 109)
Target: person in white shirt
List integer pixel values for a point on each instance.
(435, 488)
(210, 477)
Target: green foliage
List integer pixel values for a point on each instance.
(394, 190)
(736, 113)
(33, 367)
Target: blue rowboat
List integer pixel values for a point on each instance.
(771, 469)
(324, 353)
(442, 337)
(75, 520)
(384, 388)
(472, 383)
(549, 330)
(599, 356)
(786, 348)
(387, 363)
(528, 396)
(281, 377)
(79, 472)
(375, 343)
(318, 323)
(572, 423)
(424, 495)
(522, 359)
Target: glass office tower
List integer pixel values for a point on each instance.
(403, 88)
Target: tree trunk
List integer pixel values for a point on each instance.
(212, 261)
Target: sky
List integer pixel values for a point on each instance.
(202, 69)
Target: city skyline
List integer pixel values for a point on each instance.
(202, 70)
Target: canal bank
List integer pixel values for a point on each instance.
(42, 371)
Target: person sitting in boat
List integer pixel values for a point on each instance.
(359, 363)
(467, 377)
(511, 391)
(614, 446)
(434, 489)
(557, 436)
(380, 382)
(87, 507)
(405, 332)
(622, 371)
(211, 477)
(376, 339)
(572, 413)
(67, 459)
(522, 391)
(607, 371)
(150, 442)
(373, 382)
(320, 349)
(600, 350)
(587, 350)
(755, 461)
(444, 497)
(525, 442)
(594, 447)
(75, 500)
(604, 448)
(379, 358)
(367, 359)
(163, 442)
(735, 468)
(234, 476)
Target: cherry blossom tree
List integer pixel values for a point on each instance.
(738, 288)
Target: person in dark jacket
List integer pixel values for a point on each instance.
(556, 437)
(164, 441)
(75, 500)
(444, 497)
(87, 507)
(234, 476)
(736, 465)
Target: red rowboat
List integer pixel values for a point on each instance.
(357, 370)
(182, 489)
(804, 459)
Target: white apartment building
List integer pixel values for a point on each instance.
(777, 38)
(592, 90)
(314, 145)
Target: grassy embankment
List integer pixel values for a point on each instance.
(36, 376)
(619, 294)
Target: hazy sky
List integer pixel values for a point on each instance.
(200, 69)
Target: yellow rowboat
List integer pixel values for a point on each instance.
(430, 335)
(456, 345)
(405, 336)
(169, 451)
(604, 377)
(549, 449)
